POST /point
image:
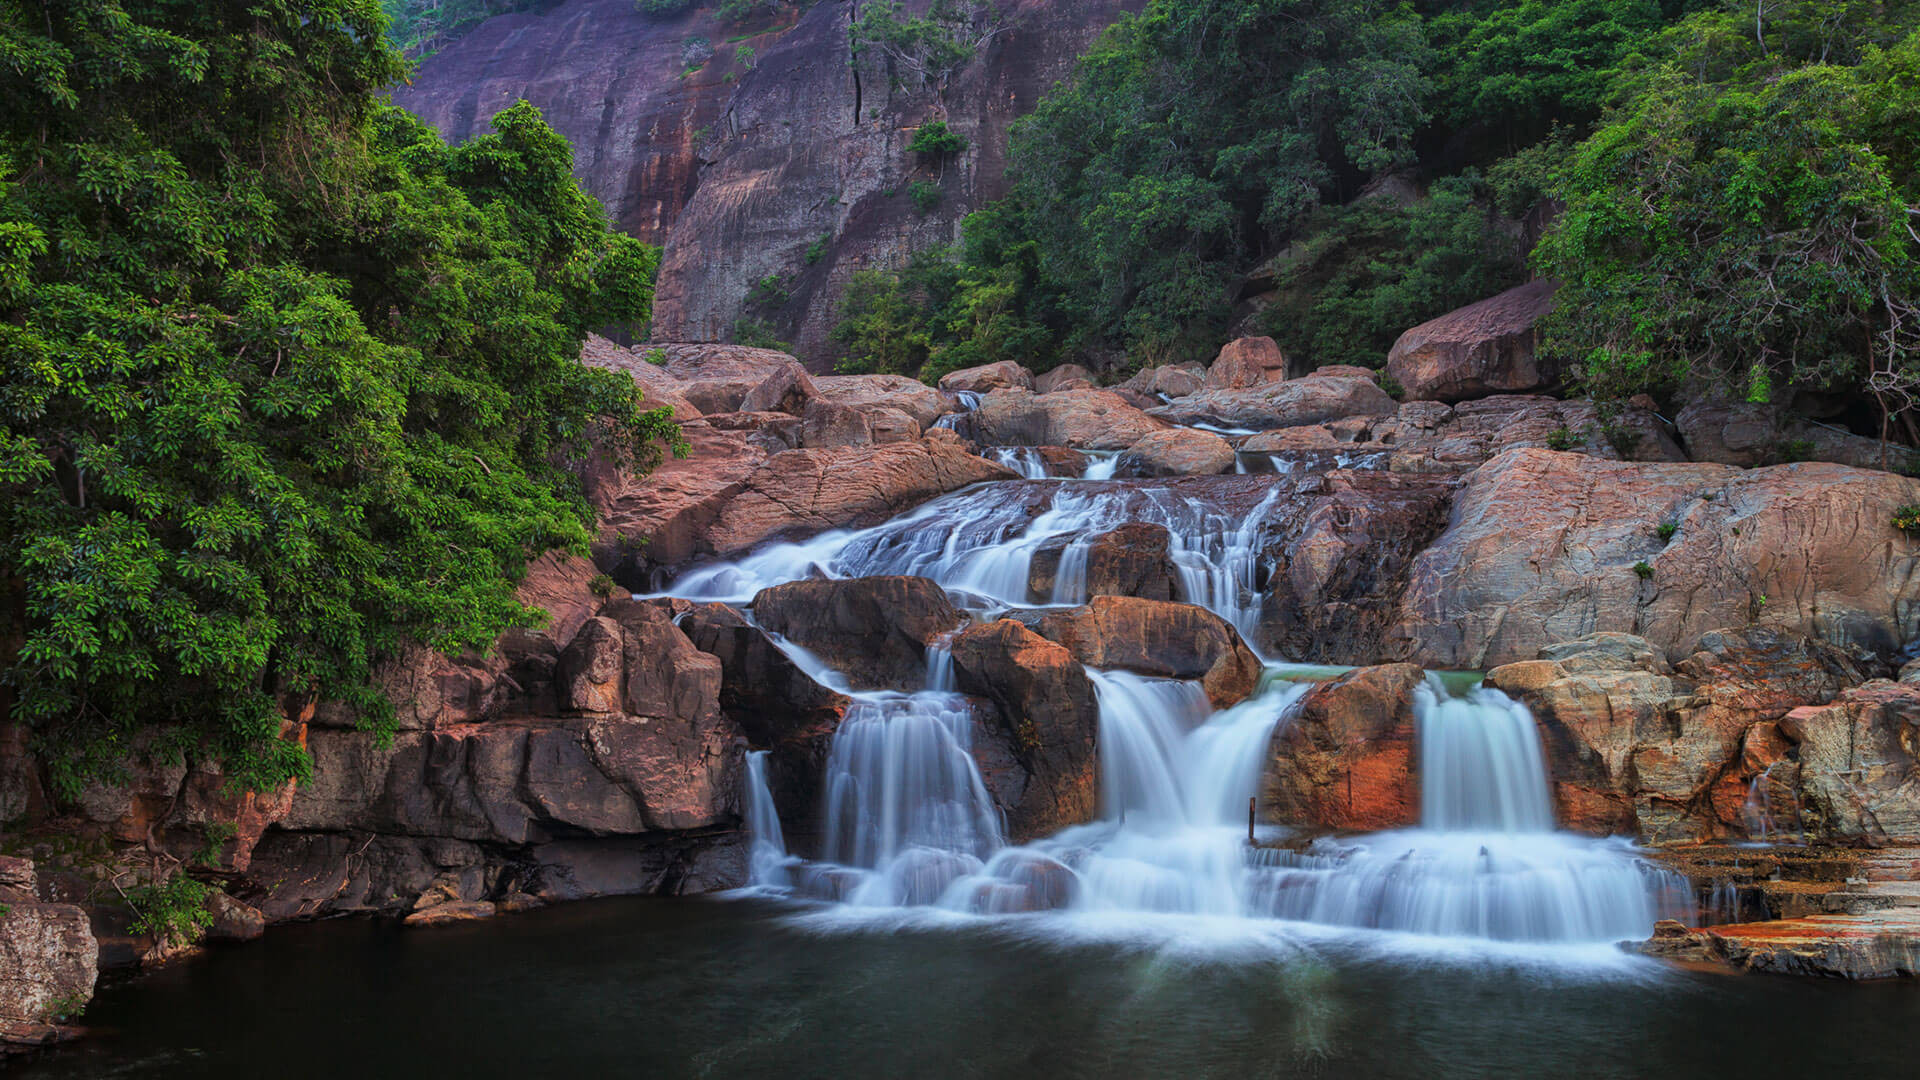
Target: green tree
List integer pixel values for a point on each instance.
(285, 381)
(1198, 135)
(1750, 235)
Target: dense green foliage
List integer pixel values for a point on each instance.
(1739, 184)
(285, 381)
(419, 27)
(1747, 218)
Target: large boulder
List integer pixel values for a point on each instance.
(729, 496)
(1081, 419)
(1543, 547)
(1245, 362)
(1158, 637)
(48, 960)
(874, 630)
(1323, 395)
(1167, 380)
(1064, 377)
(772, 699)
(1676, 752)
(1132, 560)
(1484, 348)
(788, 389)
(1859, 765)
(1345, 759)
(1751, 435)
(1178, 452)
(1037, 755)
(717, 378)
(1433, 437)
(988, 377)
(868, 392)
(658, 386)
(1338, 563)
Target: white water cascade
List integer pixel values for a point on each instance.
(767, 859)
(981, 541)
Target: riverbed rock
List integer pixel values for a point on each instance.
(729, 496)
(1481, 349)
(1178, 452)
(1132, 560)
(658, 386)
(1869, 945)
(1339, 558)
(1542, 546)
(1167, 380)
(1323, 395)
(1245, 362)
(787, 389)
(897, 392)
(988, 377)
(1671, 753)
(717, 378)
(1345, 759)
(1038, 756)
(1859, 765)
(1064, 377)
(48, 964)
(1080, 419)
(875, 630)
(1752, 435)
(1157, 637)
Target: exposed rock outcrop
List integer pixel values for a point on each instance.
(1002, 375)
(659, 386)
(1543, 547)
(1693, 751)
(1326, 394)
(1345, 758)
(1155, 637)
(48, 961)
(1481, 349)
(1168, 380)
(1752, 435)
(1178, 452)
(875, 630)
(1246, 362)
(1038, 758)
(1080, 419)
(1132, 560)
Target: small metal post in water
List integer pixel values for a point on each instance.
(1250, 799)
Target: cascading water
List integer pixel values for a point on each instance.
(1025, 460)
(1486, 862)
(981, 542)
(767, 859)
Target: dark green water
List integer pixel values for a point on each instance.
(690, 988)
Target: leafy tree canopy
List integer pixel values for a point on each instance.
(284, 380)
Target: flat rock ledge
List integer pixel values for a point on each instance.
(1869, 945)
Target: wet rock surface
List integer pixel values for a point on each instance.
(1346, 758)
(875, 630)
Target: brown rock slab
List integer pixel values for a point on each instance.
(1346, 758)
(1156, 637)
(1246, 362)
(1481, 349)
(873, 629)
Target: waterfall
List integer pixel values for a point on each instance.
(980, 542)
(1025, 460)
(1480, 763)
(1485, 862)
(1101, 465)
(767, 854)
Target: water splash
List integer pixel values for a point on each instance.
(767, 859)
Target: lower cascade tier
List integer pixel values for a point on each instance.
(909, 824)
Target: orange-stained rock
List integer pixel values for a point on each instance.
(867, 392)
(875, 630)
(1037, 754)
(787, 389)
(1168, 380)
(1859, 764)
(1064, 377)
(717, 378)
(1157, 637)
(1345, 758)
(1244, 362)
(1481, 349)
(1869, 945)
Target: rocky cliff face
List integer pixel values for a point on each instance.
(789, 162)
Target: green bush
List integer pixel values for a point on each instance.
(1643, 569)
(757, 333)
(1666, 531)
(769, 292)
(818, 249)
(1907, 519)
(661, 9)
(1563, 439)
(935, 139)
(925, 195)
(174, 910)
(601, 586)
(285, 381)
